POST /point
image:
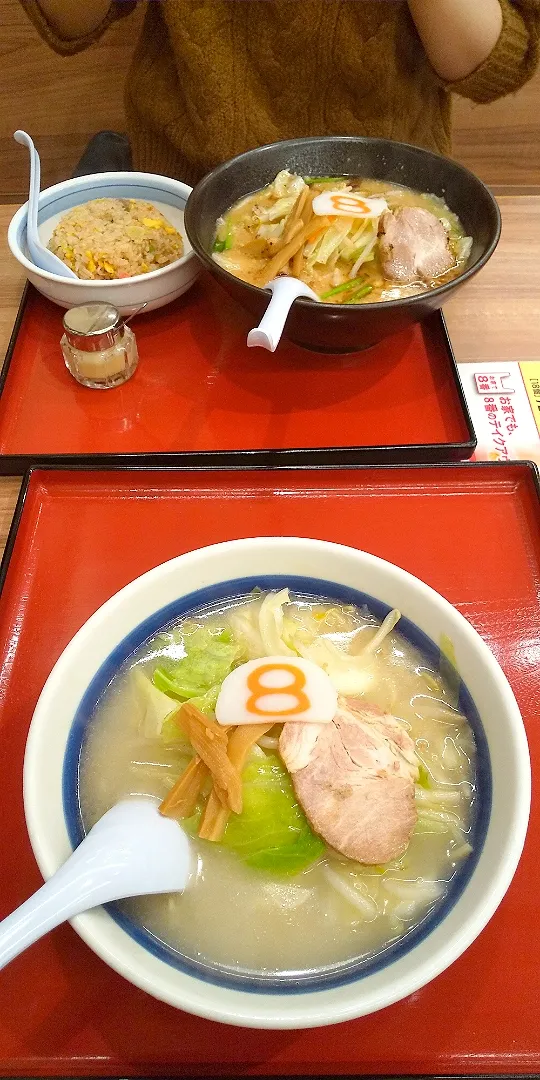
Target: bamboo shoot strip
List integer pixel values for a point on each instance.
(215, 816)
(209, 740)
(295, 216)
(182, 799)
(307, 218)
(282, 257)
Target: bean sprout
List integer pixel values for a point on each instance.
(385, 628)
(269, 742)
(446, 798)
(364, 904)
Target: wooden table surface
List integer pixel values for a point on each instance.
(494, 317)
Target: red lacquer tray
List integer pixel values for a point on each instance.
(201, 393)
(470, 531)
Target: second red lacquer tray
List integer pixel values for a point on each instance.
(470, 531)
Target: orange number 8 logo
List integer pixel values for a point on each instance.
(350, 202)
(295, 688)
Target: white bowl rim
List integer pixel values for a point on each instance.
(322, 1007)
(72, 185)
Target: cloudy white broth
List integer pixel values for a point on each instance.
(290, 881)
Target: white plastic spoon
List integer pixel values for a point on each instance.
(131, 851)
(285, 291)
(40, 255)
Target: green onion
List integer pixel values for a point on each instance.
(226, 243)
(342, 288)
(324, 179)
(358, 295)
(423, 778)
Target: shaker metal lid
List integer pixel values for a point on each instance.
(93, 327)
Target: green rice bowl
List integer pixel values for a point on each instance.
(115, 238)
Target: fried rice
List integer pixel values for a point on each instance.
(115, 238)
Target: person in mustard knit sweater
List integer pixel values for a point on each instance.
(212, 78)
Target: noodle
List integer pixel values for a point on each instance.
(365, 905)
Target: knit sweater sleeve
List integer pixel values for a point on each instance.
(67, 47)
(512, 61)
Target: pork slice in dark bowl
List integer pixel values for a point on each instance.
(414, 246)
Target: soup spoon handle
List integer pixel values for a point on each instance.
(40, 255)
(285, 290)
(131, 851)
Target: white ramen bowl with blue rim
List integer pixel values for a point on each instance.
(155, 289)
(213, 574)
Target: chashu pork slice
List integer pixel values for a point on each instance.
(355, 780)
(414, 246)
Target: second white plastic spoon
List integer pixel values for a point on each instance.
(40, 255)
(131, 851)
(285, 290)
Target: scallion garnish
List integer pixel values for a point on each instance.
(342, 288)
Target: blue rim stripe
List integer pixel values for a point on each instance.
(286, 983)
(68, 199)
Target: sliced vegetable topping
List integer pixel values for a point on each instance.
(240, 743)
(324, 179)
(342, 288)
(198, 675)
(365, 291)
(323, 230)
(423, 778)
(182, 800)
(224, 237)
(209, 740)
(272, 832)
(157, 706)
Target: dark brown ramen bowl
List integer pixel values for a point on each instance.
(335, 327)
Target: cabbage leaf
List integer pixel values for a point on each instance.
(155, 705)
(272, 832)
(349, 674)
(261, 627)
(286, 183)
(197, 676)
(271, 624)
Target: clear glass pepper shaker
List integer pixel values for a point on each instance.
(99, 349)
